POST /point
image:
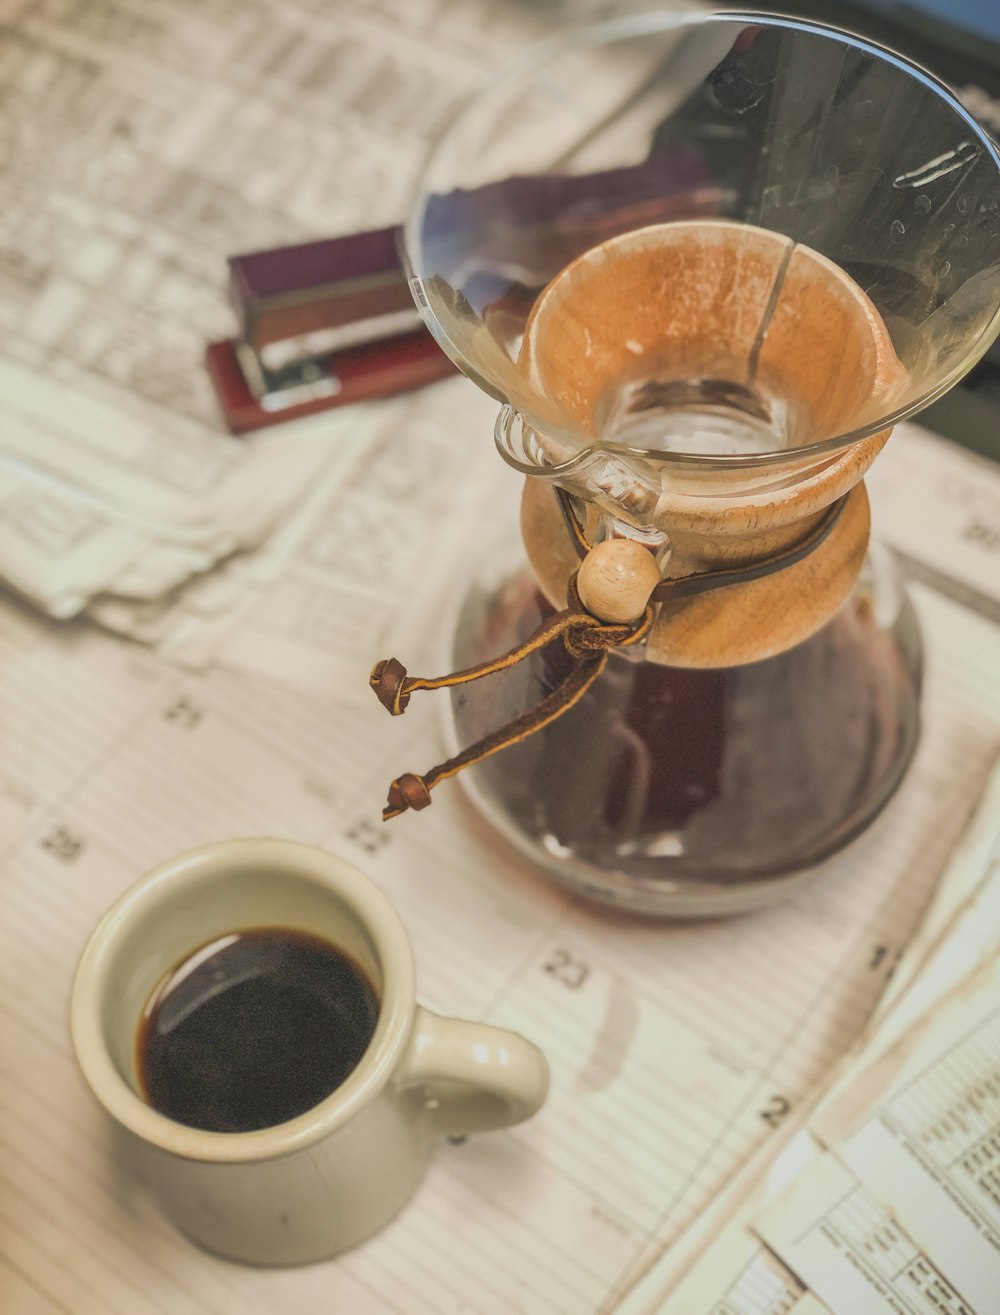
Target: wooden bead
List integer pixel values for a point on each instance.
(616, 579)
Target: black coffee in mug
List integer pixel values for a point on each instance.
(253, 1029)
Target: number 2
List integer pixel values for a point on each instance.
(775, 1110)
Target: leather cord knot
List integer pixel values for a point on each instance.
(387, 680)
(408, 791)
(586, 636)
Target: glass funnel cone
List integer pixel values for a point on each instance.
(815, 137)
(705, 263)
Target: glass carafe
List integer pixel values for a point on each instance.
(704, 263)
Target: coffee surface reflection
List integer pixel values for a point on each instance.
(253, 1029)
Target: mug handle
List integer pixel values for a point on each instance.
(471, 1077)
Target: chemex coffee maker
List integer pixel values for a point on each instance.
(704, 263)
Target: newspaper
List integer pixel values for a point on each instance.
(149, 143)
(838, 1219)
(678, 1052)
(145, 145)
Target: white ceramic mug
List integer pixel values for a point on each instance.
(327, 1179)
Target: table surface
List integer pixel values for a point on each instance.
(146, 144)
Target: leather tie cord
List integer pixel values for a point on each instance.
(587, 640)
(584, 637)
(685, 586)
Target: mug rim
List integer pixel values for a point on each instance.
(193, 868)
